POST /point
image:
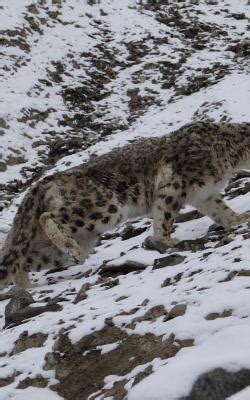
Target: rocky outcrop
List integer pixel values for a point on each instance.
(219, 384)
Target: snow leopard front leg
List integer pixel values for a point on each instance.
(167, 204)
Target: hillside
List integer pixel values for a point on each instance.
(79, 78)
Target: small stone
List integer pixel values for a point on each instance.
(82, 294)
(110, 283)
(145, 302)
(173, 280)
(224, 241)
(188, 216)
(244, 272)
(121, 298)
(166, 282)
(154, 313)
(38, 381)
(192, 245)
(173, 259)
(177, 311)
(239, 16)
(216, 228)
(25, 341)
(109, 321)
(151, 315)
(3, 166)
(129, 231)
(185, 342)
(215, 315)
(123, 269)
(14, 160)
(3, 123)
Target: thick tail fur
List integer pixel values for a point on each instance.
(12, 259)
(60, 238)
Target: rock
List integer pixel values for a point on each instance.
(14, 160)
(110, 235)
(3, 166)
(192, 245)
(185, 342)
(121, 298)
(129, 231)
(109, 283)
(82, 294)
(188, 216)
(177, 311)
(151, 244)
(151, 315)
(240, 49)
(18, 308)
(173, 259)
(25, 342)
(219, 384)
(230, 276)
(173, 280)
(20, 298)
(130, 312)
(239, 191)
(244, 272)
(109, 321)
(38, 381)
(9, 294)
(216, 228)
(29, 312)
(128, 266)
(242, 173)
(215, 315)
(3, 123)
(239, 16)
(213, 2)
(6, 381)
(226, 239)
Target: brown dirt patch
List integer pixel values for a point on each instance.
(81, 368)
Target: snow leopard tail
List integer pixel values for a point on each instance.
(60, 238)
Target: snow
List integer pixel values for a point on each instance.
(29, 393)
(175, 379)
(242, 395)
(203, 287)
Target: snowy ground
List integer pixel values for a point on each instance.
(96, 76)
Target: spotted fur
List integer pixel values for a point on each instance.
(59, 220)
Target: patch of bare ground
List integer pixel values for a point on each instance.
(81, 367)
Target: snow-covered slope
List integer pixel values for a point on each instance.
(77, 79)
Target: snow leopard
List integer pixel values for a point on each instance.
(62, 216)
